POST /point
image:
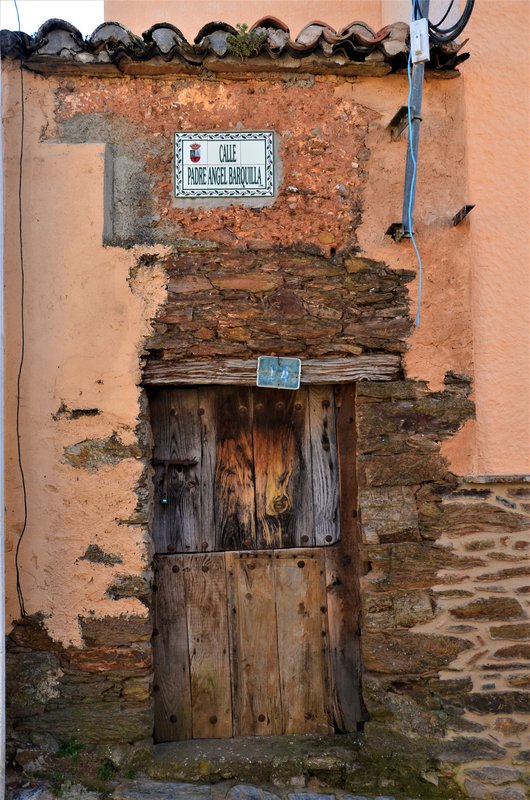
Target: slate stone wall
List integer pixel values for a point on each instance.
(444, 592)
(232, 303)
(97, 695)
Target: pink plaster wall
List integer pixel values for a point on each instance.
(84, 321)
(494, 117)
(190, 17)
(497, 95)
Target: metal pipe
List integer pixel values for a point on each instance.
(409, 192)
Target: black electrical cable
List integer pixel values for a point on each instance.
(22, 337)
(439, 35)
(18, 15)
(437, 24)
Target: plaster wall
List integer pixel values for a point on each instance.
(83, 324)
(497, 97)
(139, 15)
(86, 356)
(497, 181)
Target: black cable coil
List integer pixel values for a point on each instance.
(439, 35)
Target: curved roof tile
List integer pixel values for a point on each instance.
(59, 46)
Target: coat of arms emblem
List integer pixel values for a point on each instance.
(195, 152)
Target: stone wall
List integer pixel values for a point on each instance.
(96, 695)
(445, 592)
(235, 303)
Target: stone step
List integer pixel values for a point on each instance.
(167, 790)
(274, 760)
(159, 790)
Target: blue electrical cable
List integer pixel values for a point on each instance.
(412, 187)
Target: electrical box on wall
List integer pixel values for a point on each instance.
(419, 41)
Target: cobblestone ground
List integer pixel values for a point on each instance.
(155, 790)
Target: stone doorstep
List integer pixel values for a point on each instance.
(156, 790)
(273, 760)
(160, 790)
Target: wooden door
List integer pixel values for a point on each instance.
(256, 611)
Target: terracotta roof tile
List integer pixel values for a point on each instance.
(356, 49)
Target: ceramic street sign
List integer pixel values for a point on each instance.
(279, 373)
(224, 164)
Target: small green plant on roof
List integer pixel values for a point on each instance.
(245, 43)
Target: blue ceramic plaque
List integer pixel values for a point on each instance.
(279, 373)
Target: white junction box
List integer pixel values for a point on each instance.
(419, 41)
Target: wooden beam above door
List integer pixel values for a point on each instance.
(369, 367)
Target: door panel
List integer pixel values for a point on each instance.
(282, 458)
(241, 648)
(172, 690)
(324, 465)
(240, 468)
(254, 646)
(302, 641)
(234, 472)
(178, 462)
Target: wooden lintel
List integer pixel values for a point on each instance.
(370, 367)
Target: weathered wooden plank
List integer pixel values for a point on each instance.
(346, 432)
(324, 465)
(302, 641)
(208, 431)
(206, 607)
(177, 455)
(256, 702)
(159, 406)
(234, 473)
(172, 694)
(369, 367)
(282, 464)
(344, 643)
(342, 583)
